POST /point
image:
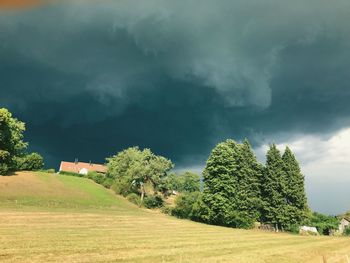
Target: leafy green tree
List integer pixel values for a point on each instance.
(136, 168)
(186, 182)
(294, 191)
(11, 140)
(273, 188)
(169, 183)
(189, 182)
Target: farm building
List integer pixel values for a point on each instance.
(82, 168)
(344, 223)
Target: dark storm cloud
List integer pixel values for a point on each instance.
(177, 76)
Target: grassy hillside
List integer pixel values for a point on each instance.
(50, 218)
(56, 191)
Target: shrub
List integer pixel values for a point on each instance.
(166, 210)
(30, 162)
(3, 168)
(295, 229)
(50, 171)
(71, 174)
(108, 182)
(123, 187)
(184, 204)
(96, 177)
(134, 198)
(347, 231)
(153, 201)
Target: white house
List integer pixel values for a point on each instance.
(344, 223)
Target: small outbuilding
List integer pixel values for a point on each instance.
(344, 223)
(82, 168)
(308, 229)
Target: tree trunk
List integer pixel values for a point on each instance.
(142, 194)
(276, 227)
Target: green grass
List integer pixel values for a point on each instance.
(56, 191)
(53, 218)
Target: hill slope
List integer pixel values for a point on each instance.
(68, 219)
(56, 191)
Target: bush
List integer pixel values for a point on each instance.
(154, 201)
(108, 182)
(184, 204)
(347, 231)
(295, 229)
(71, 174)
(3, 168)
(134, 198)
(29, 162)
(123, 187)
(96, 177)
(166, 210)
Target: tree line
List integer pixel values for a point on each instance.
(239, 191)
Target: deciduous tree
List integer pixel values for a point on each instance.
(11, 140)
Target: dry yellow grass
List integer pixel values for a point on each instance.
(128, 234)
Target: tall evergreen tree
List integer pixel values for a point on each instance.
(219, 193)
(248, 182)
(296, 201)
(273, 188)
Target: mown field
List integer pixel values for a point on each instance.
(51, 218)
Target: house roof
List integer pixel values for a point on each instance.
(346, 218)
(75, 167)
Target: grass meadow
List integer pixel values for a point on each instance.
(56, 218)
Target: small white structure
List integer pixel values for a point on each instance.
(344, 223)
(84, 171)
(306, 229)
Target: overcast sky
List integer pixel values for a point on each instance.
(91, 79)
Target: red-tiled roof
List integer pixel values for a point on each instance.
(76, 167)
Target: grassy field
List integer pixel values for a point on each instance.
(51, 218)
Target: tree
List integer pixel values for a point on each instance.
(294, 191)
(248, 187)
(273, 187)
(232, 186)
(189, 182)
(11, 140)
(219, 193)
(137, 168)
(186, 182)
